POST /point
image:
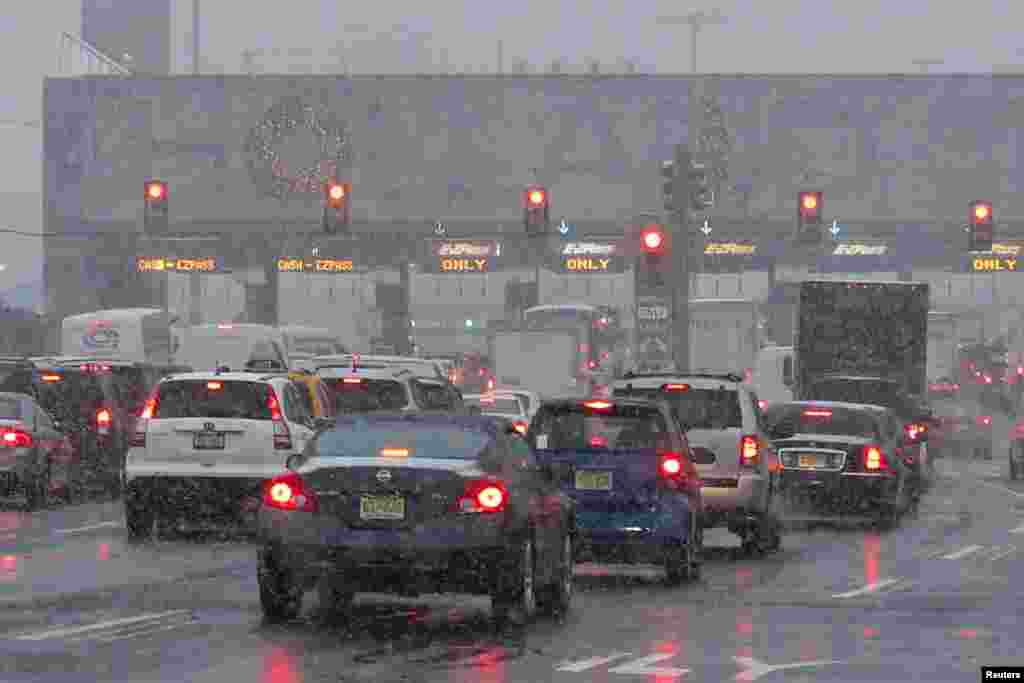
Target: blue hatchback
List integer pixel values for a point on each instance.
(626, 464)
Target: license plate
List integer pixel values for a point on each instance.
(382, 507)
(807, 460)
(208, 441)
(593, 481)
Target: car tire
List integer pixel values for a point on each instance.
(557, 598)
(138, 521)
(514, 594)
(37, 489)
(334, 596)
(280, 595)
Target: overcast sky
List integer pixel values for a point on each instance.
(765, 36)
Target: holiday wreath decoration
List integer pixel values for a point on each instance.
(292, 116)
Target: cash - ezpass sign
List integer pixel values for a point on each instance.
(590, 257)
(464, 256)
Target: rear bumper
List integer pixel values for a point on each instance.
(836, 493)
(197, 499)
(462, 553)
(733, 499)
(630, 536)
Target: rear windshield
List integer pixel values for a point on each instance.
(501, 406)
(698, 408)
(366, 395)
(885, 394)
(624, 428)
(811, 420)
(213, 398)
(398, 441)
(433, 395)
(10, 408)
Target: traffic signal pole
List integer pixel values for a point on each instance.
(682, 259)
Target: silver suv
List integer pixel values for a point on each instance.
(738, 468)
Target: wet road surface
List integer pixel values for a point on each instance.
(934, 599)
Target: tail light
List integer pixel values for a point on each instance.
(103, 420)
(984, 420)
(282, 435)
(762, 405)
(874, 459)
(490, 384)
(915, 430)
(483, 496)
(148, 413)
(591, 364)
(289, 492)
(597, 405)
(15, 438)
(750, 451)
(520, 426)
(677, 471)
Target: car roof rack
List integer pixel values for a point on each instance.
(726, 376)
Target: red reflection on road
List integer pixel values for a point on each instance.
(103, 552)
(489, 666)
(8, 568)
(872, 552)
(744, 623)
(870, 632)
(670, 647)
(968, 633)
(279, 667)
(10, 522)
(744, 579)
(808, 650)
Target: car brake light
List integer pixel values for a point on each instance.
(289, 492)
(282, 435)
(490, 384)
(675, 387)
(597, 405)
(214, 386)
(520, 426)
(51, 378)
(103, 420)
(138, 439)
(750, 451)
(394, 452)
(671, 466)
(984, 421)
(352, 380)
(762, 405)
(915, 430)
(817, 413)
(483, 496)
(15, 438)
(874, 459)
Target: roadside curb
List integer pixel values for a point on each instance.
(62, 599)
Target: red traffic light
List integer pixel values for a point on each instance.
(810, 205)
(981, 212)
(536, 197)
(156, 191)
(652, 239)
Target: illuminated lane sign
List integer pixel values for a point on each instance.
(146, 264)
(1006, 249)
(851, 249)
(993, 264)
(729, 249)
(464, 256)
(315, 265)
(590, 257)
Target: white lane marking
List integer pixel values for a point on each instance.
(99, 626)
(754, 668)
(642, 667)
(870, 588)
(1006, 553)
(91, 527)
(124, 632)
(143, 632)
(963, 552)
(1003, 489)
(1018, 530)
(585, 664)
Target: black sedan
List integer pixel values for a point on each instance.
(841, 461)
(413, 504)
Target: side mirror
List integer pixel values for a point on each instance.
(781, 431)
(293, 461)
(323, 422)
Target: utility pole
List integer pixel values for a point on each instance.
(195, 37)
(696, 21)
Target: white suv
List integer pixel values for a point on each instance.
(362, 388)
(738, 467)
(204, 444)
